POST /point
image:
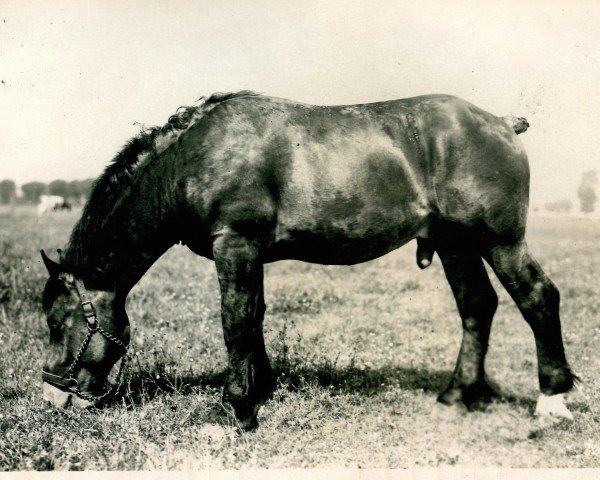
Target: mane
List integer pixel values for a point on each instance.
(120, 173)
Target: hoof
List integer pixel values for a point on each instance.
(249, 424)
(553, 407)
(244, 403)
(475, 396)
(244, 413)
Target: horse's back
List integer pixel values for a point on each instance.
(346, 178)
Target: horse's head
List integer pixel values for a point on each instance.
(89, 332)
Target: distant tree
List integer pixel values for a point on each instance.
(75, 189)
(33, 190)
(8, 191)
(78, 190)
(86, 186)
(59, 187)
(587, 191)
(562, 205)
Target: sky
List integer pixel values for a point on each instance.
(77, 76)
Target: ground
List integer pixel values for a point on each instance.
(360, 351)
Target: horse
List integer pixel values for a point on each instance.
(49, 203)
(64, 206)
(245, 179)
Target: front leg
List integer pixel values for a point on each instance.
(250, 379)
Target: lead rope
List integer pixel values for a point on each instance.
(112, 389)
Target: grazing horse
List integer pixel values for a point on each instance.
(50, 203)
(63, 206)
(244, 179)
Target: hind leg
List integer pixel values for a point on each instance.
(476, 301)
(538, 300)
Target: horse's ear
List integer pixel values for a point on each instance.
(54, 269)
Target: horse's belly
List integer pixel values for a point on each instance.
(335, 249)
(349, 239)
(345, 209)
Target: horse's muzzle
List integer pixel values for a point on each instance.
(62, 399)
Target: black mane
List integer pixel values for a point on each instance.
(119, 175)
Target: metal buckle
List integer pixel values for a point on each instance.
(88, 309)
(89, 312)
(72, 384)
(69, 384)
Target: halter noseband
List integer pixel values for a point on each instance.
(68, 382)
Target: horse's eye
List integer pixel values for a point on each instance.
(55, 332)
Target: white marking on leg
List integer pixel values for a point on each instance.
(553, 406)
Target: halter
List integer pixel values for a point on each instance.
(68, 382)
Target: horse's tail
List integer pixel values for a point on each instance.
(518, 124)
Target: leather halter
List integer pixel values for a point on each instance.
(68, 382)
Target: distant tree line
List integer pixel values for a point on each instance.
(75, 191)
(559, 206)
(586, 193)
(8, 191)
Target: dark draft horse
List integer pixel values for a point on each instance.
(244, 179)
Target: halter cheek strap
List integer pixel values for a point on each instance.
(68, 382)
(89, 312)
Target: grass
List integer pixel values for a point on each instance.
(360, 352)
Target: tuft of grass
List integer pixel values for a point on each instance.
(360, 353)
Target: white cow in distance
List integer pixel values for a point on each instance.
(49, 203)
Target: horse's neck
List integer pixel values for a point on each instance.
(130, 239)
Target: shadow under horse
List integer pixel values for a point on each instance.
(244, 179)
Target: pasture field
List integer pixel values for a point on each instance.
(360, 352)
